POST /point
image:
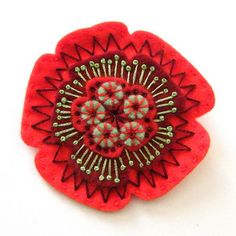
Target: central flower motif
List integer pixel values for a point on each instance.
(114, 115)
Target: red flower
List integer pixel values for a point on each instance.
(113, 115)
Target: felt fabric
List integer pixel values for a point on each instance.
(52, 72)
(108, 113)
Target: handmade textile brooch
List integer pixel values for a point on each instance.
(113, 116)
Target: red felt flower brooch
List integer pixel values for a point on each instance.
(113, 116)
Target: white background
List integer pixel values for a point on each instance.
(204, 203)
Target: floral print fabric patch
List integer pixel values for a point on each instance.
(113, 115)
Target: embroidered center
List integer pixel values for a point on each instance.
(106, 116)
(113, 114)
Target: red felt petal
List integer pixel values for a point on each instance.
(40, 96)
(53, 173)
(83, 43)
(188, 160)
(181, 72)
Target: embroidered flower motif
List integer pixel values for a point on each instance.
(113, 115)
(110, 93)
(105, 135)
(136, 106)
(92, 112)
(132, 133)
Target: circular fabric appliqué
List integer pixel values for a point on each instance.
(132, 133)
(105, 135)
(110, 93)
(136, 106)
(92, 112)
